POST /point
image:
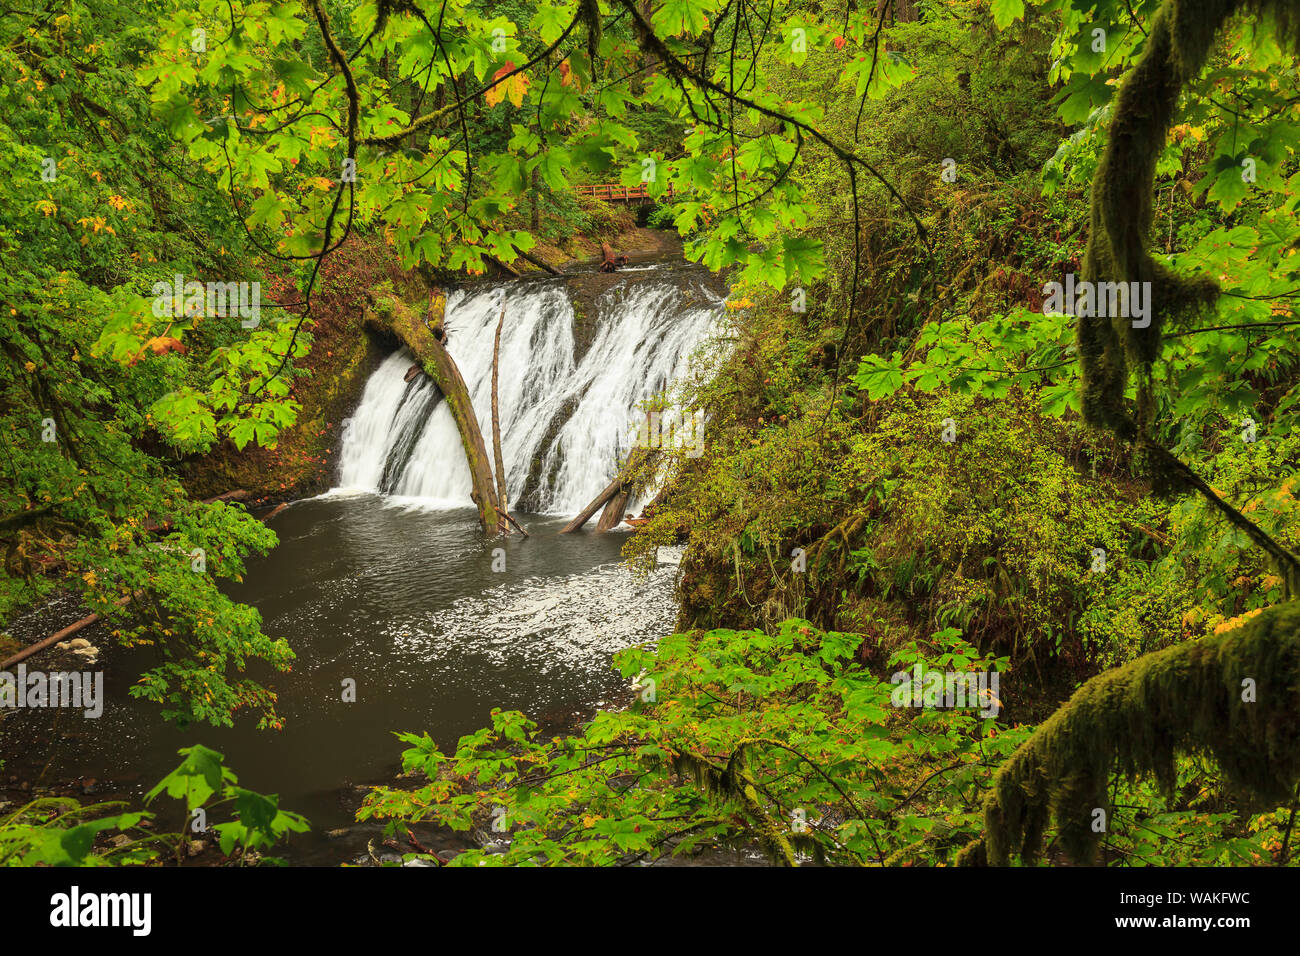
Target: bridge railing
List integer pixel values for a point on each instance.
(617, 192)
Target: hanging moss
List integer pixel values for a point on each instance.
(1136, 719)
(1179, 41)
(734, 781)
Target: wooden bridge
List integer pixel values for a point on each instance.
(616, 192)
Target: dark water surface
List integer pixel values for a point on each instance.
(406, 603)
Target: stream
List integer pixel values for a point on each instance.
(387, 580)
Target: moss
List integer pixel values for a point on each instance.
(424, 334)
(1136, 719)
(1180, 40)
(1181, 37)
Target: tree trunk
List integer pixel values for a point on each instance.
(613, 499)
(613, 513)
(426, 337)
(496, 418)
(600, 500)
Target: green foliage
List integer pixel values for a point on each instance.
(259, 822)
(97, 392)
(782, 741)
(814, 166)
(58, 831)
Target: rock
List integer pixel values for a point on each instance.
(419, 863)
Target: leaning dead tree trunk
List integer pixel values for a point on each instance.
(502, 497)
(613, 499)
(426, 337)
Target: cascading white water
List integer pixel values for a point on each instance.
(403, 442)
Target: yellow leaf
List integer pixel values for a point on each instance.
(514, 87)
(1235, 622)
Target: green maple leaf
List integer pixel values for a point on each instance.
(550, 21)
(1004, 11)
(803, 258)
(1057, 399)
(878, 376)
(676, 17)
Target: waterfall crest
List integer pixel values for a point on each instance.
(565, 421)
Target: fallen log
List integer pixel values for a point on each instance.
(426, 337)
(539, 263)
(53, 639)
(612, 516)
(239, 494)
(616, 493)
(600, 500)
(501, 265)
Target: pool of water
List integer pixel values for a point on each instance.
(405, 602)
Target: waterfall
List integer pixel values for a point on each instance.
(566, 420)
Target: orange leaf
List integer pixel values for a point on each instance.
(162, 344)
(515, 86)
